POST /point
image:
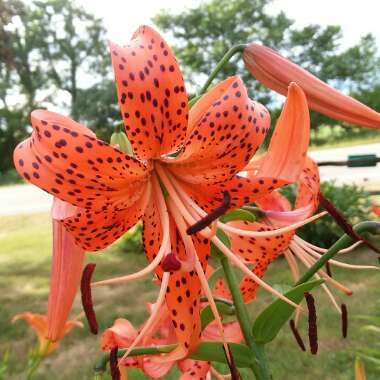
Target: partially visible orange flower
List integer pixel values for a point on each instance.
(67, 264)
(277, 72)
(38, 322)
(376, 209)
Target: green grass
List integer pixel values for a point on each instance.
(24, 264)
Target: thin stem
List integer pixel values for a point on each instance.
(259, 366)
(234, 50)
(36, 363)
(343, 242)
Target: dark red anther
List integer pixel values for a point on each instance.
(313, 333)
(344, 320)
(213, 215)
(85, 288)
(235, 374)
(296, 334)
(170, 263)
(342, 222)
(114, 366)
(328, 269)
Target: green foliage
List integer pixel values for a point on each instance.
(270, 321)
(351, 200)
(52, 54)
(132, 240)
(204, 33)
(371, 355)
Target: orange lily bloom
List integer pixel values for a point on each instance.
(67, 264)
(277, 72)
(194, 156)
(122, 334)
(39, 323)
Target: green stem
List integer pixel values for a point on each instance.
(41, 356)
(101, 363)
(259, 366)
(342, 243)
(234, 50)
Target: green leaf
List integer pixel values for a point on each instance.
(214, 277)
(238, 214)
(215, 251)
(224, 308)
(213, 351)
(269, 322)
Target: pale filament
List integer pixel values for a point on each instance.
(190, 250)
(308, 262)
(342, 251)
(328, 292)
(164, 248)
(296, 274)
(331, 261)
(188, 264)
(152, 318)
(239, 231)
(226, 251)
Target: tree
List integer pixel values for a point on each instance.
(203, 34)
(52, 52)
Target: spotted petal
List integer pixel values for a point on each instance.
(151, 94)
(224, 138)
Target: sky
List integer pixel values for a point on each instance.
(122, 17)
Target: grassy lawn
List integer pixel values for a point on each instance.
(25, 261)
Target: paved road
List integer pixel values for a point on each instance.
(20, 199)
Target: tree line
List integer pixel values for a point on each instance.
(54, 55)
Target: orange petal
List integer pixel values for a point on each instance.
(376, 209)
(225, 138)
(193, 369)
(121, 335)
(290, 141)
(232, 332)
(63, 158)
(95, 230)
(276, 72)
(66, 271)
(151, 93)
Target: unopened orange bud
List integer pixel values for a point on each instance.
(277, 72)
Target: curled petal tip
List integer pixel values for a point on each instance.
(277, 73)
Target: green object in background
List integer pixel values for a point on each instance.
(361, 160)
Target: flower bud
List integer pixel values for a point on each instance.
(277, 72)
(120, 140)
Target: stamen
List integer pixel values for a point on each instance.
(270, 233)
(309, 249)
(308, 262)
(164, 248)
(87, 303)
(213, 215)
(170, 263)
(342, 222)
(313, 333)
(297, 335)
(323, 250)
(154, 316)
(239, 264)
(344, 320)
(114, 366)
(328, 269)
(235, 374)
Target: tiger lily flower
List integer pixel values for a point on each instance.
(122, 334)
(277, 211)
(67, 263)
(181, 160)
(277, 72)
(39, 323)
